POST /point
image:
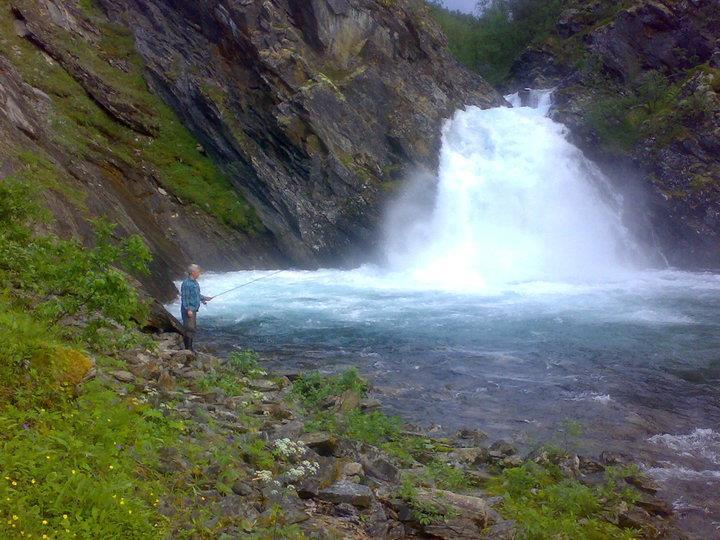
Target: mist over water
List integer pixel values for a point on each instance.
(512, 298)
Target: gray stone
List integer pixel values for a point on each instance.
(320, 441)
(346, 492)
(264, 385)
(124, 376)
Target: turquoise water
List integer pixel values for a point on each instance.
(635, 360)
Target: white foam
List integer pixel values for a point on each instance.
(665, 474)
(590, 396)
(701, 443)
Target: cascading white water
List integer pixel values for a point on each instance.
(515, 202)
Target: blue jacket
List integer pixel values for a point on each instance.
(190, 296)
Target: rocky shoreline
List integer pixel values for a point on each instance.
(271, 457)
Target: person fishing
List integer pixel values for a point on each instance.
(190, 300)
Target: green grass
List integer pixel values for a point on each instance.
(544, 504)
(75, 470)
(227, 382)
(312, 389)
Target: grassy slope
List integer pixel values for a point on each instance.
(86, 132)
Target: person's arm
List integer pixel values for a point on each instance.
(205, 299)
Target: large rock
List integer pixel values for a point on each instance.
(347, 492)
(663, 152)
(315, 109)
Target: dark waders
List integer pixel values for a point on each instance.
(190, 326)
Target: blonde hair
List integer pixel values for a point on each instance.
(193, 268)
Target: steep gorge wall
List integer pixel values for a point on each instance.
(638, 84)
(314, 108)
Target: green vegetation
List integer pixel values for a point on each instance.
(73, 470)
(491, 42)
(83, 128)
(315, 392)
(545, 504)
(650, 106)
(70, 465)
(423, 512)
(246, 363)
(313, 389)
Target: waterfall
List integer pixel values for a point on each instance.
(515, 201)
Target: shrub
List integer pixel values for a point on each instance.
(546, 505)
(313, 389)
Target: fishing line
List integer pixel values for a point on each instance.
(248, 283)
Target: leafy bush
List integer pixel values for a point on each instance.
(62, 276)
(373, 428)
(246, 363)
(313, 388)
(546, 505)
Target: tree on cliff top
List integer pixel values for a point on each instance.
(491, 42)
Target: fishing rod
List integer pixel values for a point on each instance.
(248, 283)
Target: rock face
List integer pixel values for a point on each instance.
(314, 108)
(638, 83)
(78, 123)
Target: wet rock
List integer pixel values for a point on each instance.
(242, 488)
(469, 456)
(377, 466)
(263, 385)
(320, 441)
(502, 448)
(369, 404)
(123, 376)
(347, 492)
(474, 436)
(654, 506)
(637, 518)
(643, 483)
(613, 458)
(590, 466)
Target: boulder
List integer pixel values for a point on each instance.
(347, 492)
(123, 376)
(320, 441)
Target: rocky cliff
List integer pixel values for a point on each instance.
(232, 133)
(637, 83)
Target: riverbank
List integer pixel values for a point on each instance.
(157, 442)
